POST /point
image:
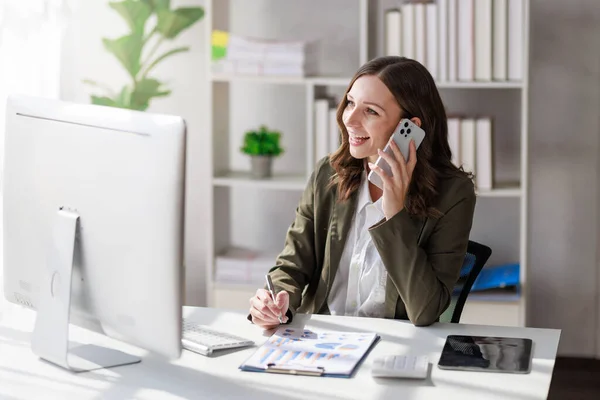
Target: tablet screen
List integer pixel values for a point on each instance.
(487, 353)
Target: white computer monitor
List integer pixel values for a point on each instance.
(93, 226)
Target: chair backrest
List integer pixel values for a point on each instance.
(476, 257)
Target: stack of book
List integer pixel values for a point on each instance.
(327, 133)
(239, 55)
(471, 143)
(460, 40)
(238, 265)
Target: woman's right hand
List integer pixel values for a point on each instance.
(265, 311)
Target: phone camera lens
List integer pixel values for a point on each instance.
(401, 130)
(408, 130)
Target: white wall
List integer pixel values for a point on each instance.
(564, 197)
(85, 58)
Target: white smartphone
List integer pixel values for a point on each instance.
(405, 131)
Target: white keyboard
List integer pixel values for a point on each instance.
(204, 340)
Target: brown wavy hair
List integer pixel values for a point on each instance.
(415, 91)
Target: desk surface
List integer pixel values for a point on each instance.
(193, 376)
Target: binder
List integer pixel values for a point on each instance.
(499, 276)
(492, 277)
(296, 351)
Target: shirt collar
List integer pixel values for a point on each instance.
(364, 196)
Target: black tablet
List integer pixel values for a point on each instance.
(487, 353)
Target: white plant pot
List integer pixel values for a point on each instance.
(262, 166)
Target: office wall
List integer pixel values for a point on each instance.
(564, 194)
(85, 58)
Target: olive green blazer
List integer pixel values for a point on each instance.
(423, 256)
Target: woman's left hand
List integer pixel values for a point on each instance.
(396, 186)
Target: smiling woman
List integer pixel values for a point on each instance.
(355, 249)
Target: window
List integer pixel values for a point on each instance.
(30, 52)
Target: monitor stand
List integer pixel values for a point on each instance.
(50, 339)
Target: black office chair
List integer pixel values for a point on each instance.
(476, 257)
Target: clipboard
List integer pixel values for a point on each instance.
(295, 351)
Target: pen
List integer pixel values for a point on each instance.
(272, 291)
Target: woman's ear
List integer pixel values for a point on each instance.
(416, 121)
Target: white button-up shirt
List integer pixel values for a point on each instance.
(359, 285)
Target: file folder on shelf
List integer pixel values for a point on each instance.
(505, 276)
(297, 351)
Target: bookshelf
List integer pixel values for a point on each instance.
(255, 214)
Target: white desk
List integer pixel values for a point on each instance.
(24, 376)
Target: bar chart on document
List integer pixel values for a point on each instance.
(337, 353)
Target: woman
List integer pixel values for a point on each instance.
(354, 249)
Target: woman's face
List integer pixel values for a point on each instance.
(370, 117)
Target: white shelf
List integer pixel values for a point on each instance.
(298, 182)
(330, 81)
(235, 286)
(343, 81)
(497, 313)
(479, 85)
(284, 80)
(288, 103)
(277, 182)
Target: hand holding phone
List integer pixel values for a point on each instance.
(404, 132)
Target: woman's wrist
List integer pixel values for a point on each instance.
(393, 214)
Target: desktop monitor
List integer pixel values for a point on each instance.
(93, 227)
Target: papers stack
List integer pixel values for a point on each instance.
(304, 352)
(238, 55)
(239, 265)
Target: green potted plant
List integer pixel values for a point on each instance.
(137, 50)
(262, 145)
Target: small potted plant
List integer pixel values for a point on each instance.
(262, 146)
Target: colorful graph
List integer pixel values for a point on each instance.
(282, 356)
(303, 347)
(280, 341)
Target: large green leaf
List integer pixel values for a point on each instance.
(165, 55)
(124, 97)
(128, 50)
(103, 101)
(122, 100)
(136, 13)
(172, 22)
(145, 90)
(158, 4)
